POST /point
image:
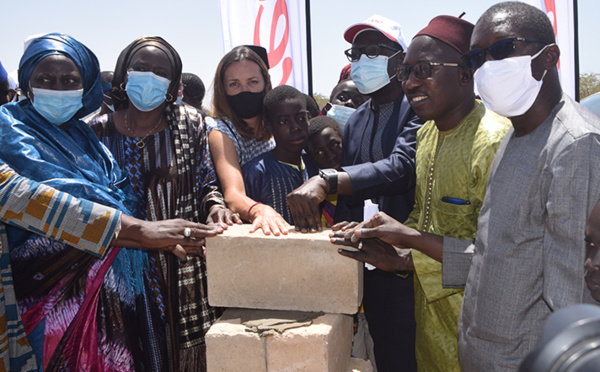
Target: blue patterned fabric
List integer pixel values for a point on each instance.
(71, 160)
(268, 181)
(371, 149)
(66, 324)
(246, 148)
(173, 177)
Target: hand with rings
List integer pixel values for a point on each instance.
(177, 236)
(376, 252)
(222, 216)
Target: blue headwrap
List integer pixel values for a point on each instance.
(84, 59)
(3, 73)
(72, 160)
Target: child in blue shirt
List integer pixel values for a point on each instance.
(268, 178)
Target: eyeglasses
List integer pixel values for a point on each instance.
(421, 70)
(371, 51)
(499, 50)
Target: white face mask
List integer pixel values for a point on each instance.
(371, 74)
(507, 86)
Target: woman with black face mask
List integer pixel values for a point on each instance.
(238, 132)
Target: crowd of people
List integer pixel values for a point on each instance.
(476, 216)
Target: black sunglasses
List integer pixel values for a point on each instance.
(421, 70)
(499, 50)
(371, 51)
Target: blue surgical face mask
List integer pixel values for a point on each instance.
(146, 90)
(341, 114)
(371, 74)
(57, 106)
(179, 100)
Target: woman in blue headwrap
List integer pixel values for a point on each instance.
(80, 311)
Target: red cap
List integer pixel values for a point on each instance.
(453, 31)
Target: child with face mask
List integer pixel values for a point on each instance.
(344, 100)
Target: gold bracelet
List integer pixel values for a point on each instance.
(117, 230)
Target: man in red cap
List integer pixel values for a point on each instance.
(455, 150)
(379, 149)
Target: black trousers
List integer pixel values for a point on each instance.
(389, 304)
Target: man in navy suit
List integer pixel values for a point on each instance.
(379, 149)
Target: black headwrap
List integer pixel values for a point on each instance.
(120, 98)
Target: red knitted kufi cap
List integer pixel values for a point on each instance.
(453, 31)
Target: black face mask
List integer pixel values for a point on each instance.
(247, 104)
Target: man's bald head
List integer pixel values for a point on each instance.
(522, 17)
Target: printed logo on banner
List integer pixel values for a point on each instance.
(275, 27)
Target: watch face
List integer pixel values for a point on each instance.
(326, 173)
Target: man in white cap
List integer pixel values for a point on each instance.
(379, 150)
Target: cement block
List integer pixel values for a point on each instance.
(359, 365)
(229, 348)
(295, 272)
(324, 346)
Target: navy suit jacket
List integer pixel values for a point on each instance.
(389, 182)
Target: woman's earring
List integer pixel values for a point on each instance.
(169, 97)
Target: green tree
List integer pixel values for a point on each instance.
(321, 99)
(589, 83)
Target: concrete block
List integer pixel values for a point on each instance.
(229, 348)
(324, 346)
(295, 272)
(359, 365)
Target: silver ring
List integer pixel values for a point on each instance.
(360, 243)
(187, 232)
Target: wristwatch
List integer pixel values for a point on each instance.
(331, 176)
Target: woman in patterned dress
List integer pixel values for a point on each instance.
(163, 148)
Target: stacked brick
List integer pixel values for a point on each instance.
(301, 272)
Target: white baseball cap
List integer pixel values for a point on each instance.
(389, 28)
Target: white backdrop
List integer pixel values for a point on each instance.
(277, 25)
(562, 16)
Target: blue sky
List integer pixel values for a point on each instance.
(194, 29)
